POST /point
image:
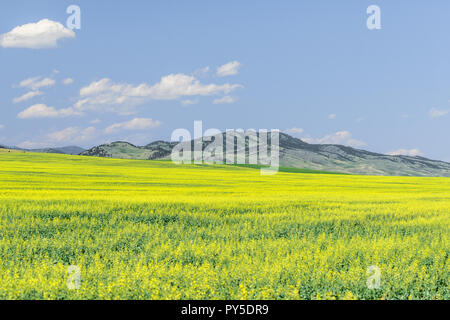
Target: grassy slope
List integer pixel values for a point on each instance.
(288, 169)
(151, 229)
(10, 151)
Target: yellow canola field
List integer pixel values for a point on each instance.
(155, 230)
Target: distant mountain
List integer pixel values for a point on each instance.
(299, 154)
(125, 150)
(63, 150)
(73, 150)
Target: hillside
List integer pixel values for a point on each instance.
(298, 154)
(125, 150)
(73, 150)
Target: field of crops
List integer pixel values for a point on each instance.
(154, 230)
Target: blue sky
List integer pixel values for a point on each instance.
(137, 70)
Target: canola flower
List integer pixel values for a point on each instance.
(156, 230)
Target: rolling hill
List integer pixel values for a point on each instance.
(296, 153)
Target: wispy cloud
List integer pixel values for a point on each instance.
(69, 135)
(294, 131)
(203, 72)
(44, 111)
(223, 100)
(228, 69)
(73, 135)
(406, 152)
(340, 137)
(27, 96)
(135, 124)
(68, 81)
(36, 83)
(436, 113)
(188, 102)
(33, 145)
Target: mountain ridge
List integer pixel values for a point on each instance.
(72, 150)
(296, 153)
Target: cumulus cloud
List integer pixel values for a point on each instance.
(228, 69)
(43, 34)
(135, 124)
(436, 113)
(332, 116)
(27, 96)
(406, 152)
(36, 83)
(225, 99)
(294, 130)
(68, 81)
(340, 137)
(2, 126)
(43, 111)
(122, 97)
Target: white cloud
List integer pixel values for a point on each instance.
(122, 98)
(340, 137)
(95, 121)
(228, 69)
(332, 116)
(43, 34)
(43, 111)
(203, 72)
(135, 124)
(406, 152)
(36, 83)
(177, 85)
(436, 113)
(72, 135)
(225, 99)
(2, 126)
(68, 81)
(32, 145)
(188, 102)
(294, 130)
(27, 96)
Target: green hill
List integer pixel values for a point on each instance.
(295, 153)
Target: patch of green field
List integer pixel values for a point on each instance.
(155, 230)
(3, 150)
(287, 169)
